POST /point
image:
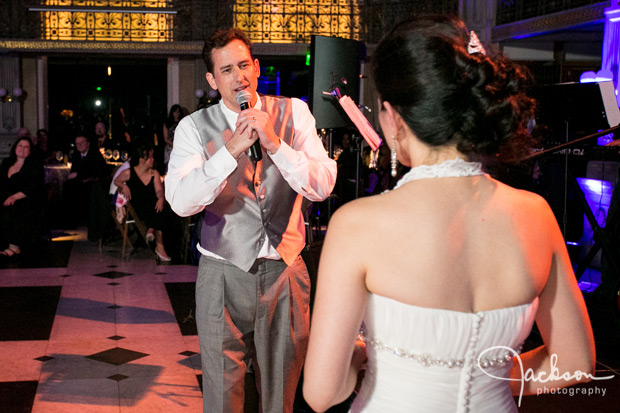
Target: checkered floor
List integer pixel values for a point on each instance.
(97, 334)
(83, 331)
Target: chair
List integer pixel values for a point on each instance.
(130, 218)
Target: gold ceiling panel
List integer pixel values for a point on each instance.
(294, 21)
(107, 20)
(265, 21)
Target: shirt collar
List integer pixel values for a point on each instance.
(231, 117)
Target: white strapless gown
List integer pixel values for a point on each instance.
(426, 360)
(434, 360)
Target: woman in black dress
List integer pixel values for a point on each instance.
(142, 185)
(21, 190)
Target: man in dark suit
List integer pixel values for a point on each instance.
(84, 188)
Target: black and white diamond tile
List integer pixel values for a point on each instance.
(117, 356)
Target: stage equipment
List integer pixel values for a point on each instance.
(579, 109)
(334, 63)
(573, 110)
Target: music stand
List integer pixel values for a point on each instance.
(572, 110)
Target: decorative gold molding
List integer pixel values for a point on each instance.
(47, 46)
(550, 23)
(171, 48)
(295, 21)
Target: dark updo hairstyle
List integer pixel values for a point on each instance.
(447, 95)
(219, 39)
(142, 149)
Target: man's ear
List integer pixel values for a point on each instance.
(257, 67)
(211, 80)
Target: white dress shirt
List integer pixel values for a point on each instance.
(194, 181)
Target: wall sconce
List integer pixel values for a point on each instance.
(18, 95)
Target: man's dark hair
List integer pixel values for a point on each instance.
(220, 38)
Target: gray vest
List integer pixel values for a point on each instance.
(256, 199)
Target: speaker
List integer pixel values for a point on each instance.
(334, 62)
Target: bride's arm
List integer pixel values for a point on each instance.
(564, 325)
(333, 359)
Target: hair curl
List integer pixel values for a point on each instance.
(448, 96)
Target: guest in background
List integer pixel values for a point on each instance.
(43, 149)
(174, 116)
(21, 193)
(347, 186)
(85, 189)
(24, 133)
(379, 178)
(101, 134)
(142, 185)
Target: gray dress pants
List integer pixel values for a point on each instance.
(261, 316)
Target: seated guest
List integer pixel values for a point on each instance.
(142, 185)
(84, 188)
(43, 146)
(21, 190)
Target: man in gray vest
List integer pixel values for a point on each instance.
(252, 289)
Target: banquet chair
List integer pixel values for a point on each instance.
(130, 218)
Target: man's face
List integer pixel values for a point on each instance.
(233, 71)
(100, 129)
(81, 144)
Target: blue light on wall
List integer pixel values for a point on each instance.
(598, 194)
(600, 76)
(611, 43)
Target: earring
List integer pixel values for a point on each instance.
(393, 160)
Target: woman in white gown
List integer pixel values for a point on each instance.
(448, 271)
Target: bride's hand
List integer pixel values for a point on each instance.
(359, 354)
(358, 361)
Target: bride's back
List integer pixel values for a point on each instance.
(464, 244)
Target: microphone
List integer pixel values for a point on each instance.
(243, 99)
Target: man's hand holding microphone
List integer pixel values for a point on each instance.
(256, 128)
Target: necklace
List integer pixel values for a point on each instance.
(446, 169)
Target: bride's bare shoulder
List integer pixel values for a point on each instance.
(357, 212)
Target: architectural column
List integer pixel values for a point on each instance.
(10, 105)
(42, 94)
(173, 82)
